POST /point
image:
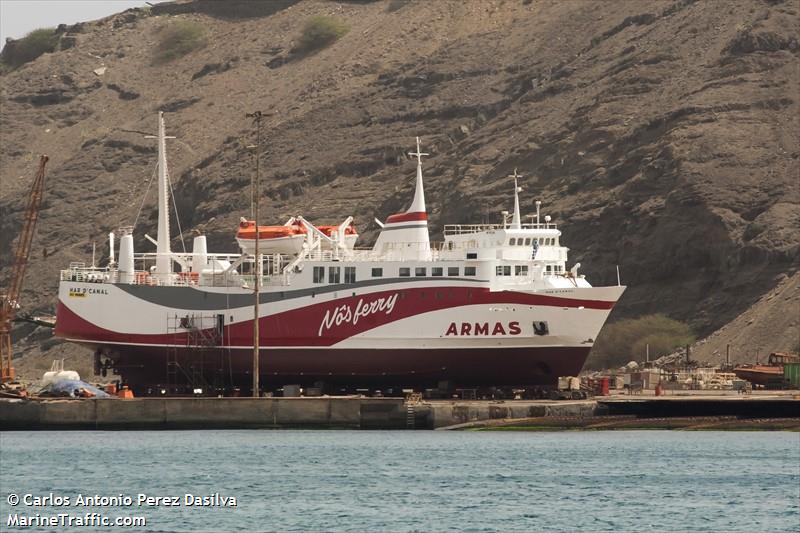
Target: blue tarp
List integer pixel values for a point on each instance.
(69, 387)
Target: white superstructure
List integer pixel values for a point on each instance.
(490, 302)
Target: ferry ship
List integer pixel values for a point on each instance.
(493, 304)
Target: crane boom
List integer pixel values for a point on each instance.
(9, 301)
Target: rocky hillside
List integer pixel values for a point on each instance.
(661, 135)
(770, 325)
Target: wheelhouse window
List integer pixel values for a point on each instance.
(521, 270)
(528, 241)
(420, 271)
(377, 272)
(437, 271)
(319, 274)
(334, 275)
(512, 241)
(349, 274)
(405, 272)
(452, 271)
(469, 271)
(503, 270)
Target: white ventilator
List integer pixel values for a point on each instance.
(126, 270)
(199, 253)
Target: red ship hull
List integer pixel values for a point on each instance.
(226, 368)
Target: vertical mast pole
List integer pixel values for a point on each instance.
(163, 252)
(257, 284)
(163, 259)
(516, 219)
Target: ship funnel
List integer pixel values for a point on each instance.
(126, 270)
(199, 253)
(405, 235)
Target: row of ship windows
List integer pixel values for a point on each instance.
(522, 270)
(549, 241)
(505, 270)
(334, 273)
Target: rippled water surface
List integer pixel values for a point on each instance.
(417, 481)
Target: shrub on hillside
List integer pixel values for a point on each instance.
(178, 39)
(396, 5)
(627, 340)
(320, 32)
(36, 43)
(753, 230)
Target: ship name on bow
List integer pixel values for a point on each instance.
(347, 314)
(81, 292)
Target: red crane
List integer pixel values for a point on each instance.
(9, 302)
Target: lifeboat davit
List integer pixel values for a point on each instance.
(271, 239)
(350, 236)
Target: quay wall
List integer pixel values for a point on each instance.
(361, 413)
(204, 413)
(437, 414)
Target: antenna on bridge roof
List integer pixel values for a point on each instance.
(418, 203)
(516, 222)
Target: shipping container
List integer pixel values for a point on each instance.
(791, 371)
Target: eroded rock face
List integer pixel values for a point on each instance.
(55, 93)
(662, 136)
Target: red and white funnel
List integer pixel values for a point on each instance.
(405, 235)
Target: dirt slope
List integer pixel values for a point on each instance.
(768, 326)
(661, 135)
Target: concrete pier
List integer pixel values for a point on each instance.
(355, 412)
(750, 406)
(204, 413)
(443, 413)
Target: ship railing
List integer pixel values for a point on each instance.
(150, 257)
(386, 253)
(461, 229)
(79, 272)
(248, 281)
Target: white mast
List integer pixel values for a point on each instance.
(418, 204)
(516, 222)
(163, 252)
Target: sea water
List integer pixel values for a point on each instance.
(402, 480)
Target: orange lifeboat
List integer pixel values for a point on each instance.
(271, 239)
